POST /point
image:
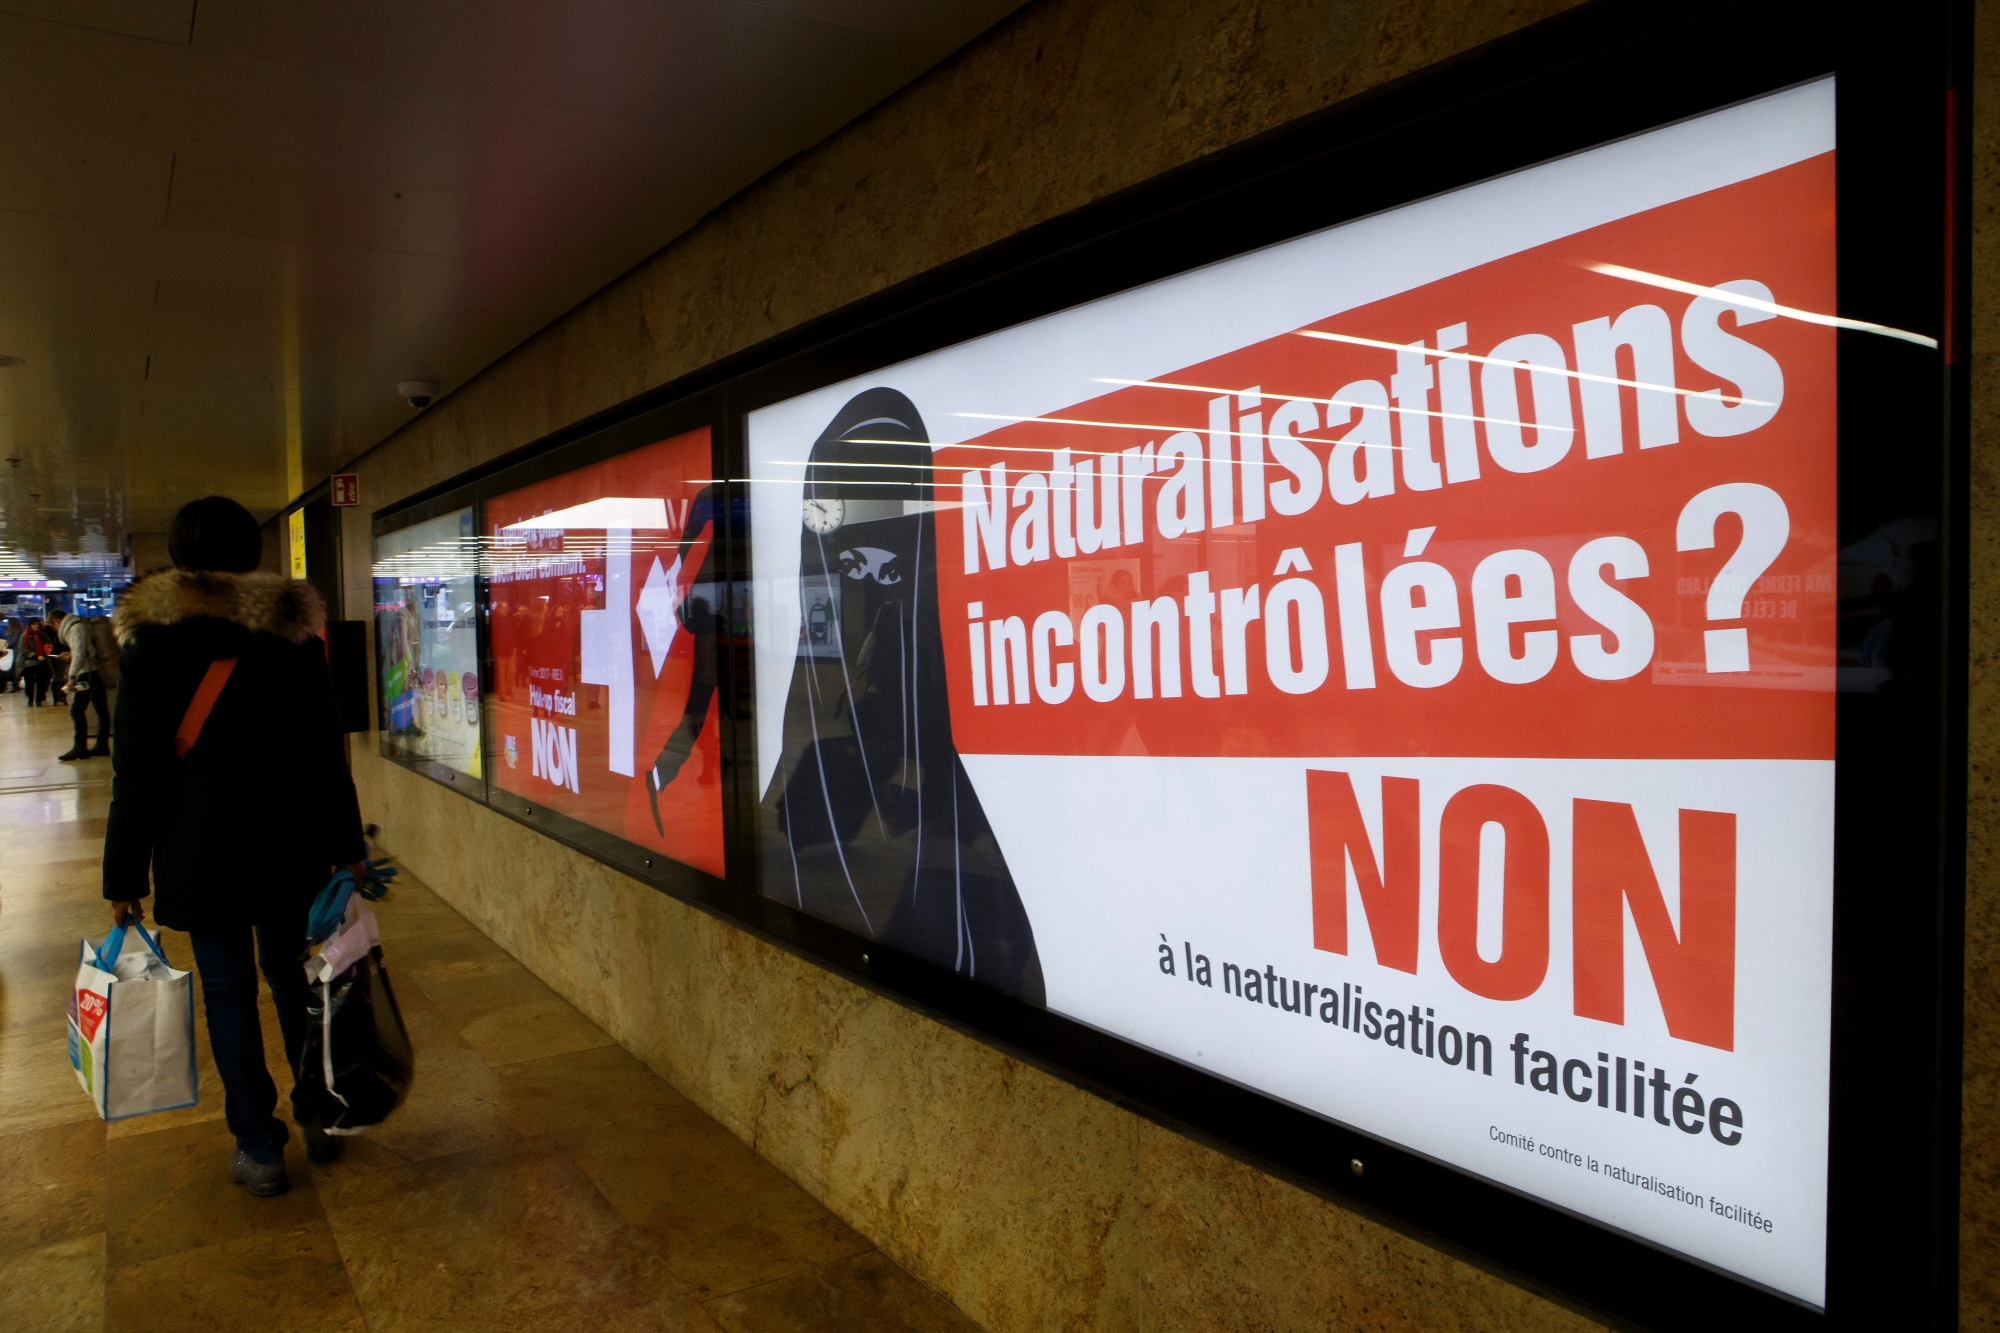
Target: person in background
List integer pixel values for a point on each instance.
(34, 662)
(58, 656)
(240, 826)
(10, 650)
(86, 688)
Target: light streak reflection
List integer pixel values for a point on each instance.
(1753, 303)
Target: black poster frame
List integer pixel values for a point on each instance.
(1902, 220)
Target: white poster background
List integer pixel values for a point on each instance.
(1109, 853)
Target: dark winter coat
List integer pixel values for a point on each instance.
(250, 824)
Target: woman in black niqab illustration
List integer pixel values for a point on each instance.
(870, 821)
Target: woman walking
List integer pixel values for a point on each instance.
(35, 667)
(230, 785)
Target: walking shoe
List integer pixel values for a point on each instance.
(74, 754)
(100, 752)
(261, 1178)
(320, 1145)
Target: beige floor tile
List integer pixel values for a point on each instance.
(35, 983)
(170, 1191)
(605, 1098)
(865, 1293)
(531, 1031)
(412, 910)
(447, 948)
(426, 1023)
(53, 939)
(29, 759)
(724, 1224)
(82, 873)
(51, 1185)
(32, 855)
(43, 910)
(53, 903)
(85, 831)
(465, 974)
(724, 1217)
(41, 1088)
(53, 807)
(509, 1238)
(288, 1279)
(36, 736)
(55, 1289)
(52, 908)
(455, 1105)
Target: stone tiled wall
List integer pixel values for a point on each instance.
(1032, 1205)
(1979, 1212)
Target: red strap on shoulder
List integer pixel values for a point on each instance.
(205, 695)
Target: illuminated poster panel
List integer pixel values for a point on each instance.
(427, 640)
(602, 629)
(1392, 670)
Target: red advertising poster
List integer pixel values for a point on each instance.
(1392, 670)
(602, 623)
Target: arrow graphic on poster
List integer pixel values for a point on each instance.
(607, 646)
(659, 601)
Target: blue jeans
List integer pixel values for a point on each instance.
(229, 996)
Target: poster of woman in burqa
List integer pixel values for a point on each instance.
(871, 821)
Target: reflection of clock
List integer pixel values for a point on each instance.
(823, 516)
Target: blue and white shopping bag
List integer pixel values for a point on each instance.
(131, 1026)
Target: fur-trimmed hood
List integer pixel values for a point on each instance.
(261, 603)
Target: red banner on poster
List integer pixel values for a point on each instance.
(1536, 509)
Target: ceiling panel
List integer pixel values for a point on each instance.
(154, 20)
(273, 202)
(107, 180)
(210, 246)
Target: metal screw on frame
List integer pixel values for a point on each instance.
(1354, 1165)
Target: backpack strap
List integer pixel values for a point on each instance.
(205, 695)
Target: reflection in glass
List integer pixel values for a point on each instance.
(427, 641)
